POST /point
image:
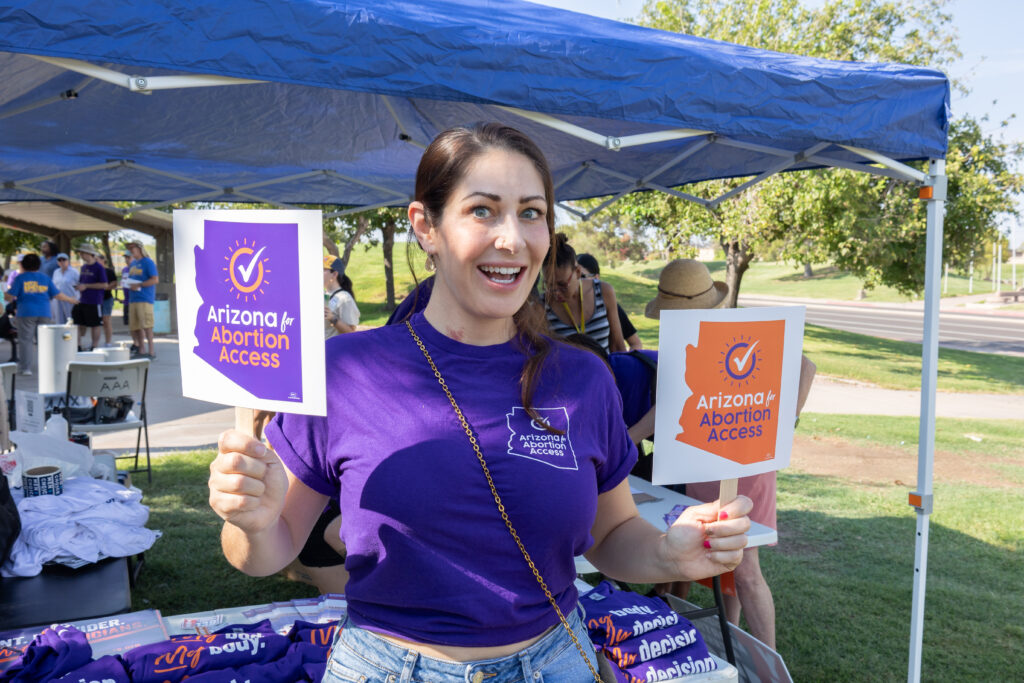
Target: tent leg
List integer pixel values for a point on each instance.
(921, 499)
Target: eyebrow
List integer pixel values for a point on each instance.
(496, 198)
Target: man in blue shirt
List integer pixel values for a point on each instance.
(33, 291)
(142, 294)
(49, 261)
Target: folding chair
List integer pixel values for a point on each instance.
(111, 380)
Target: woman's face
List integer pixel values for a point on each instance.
(490, 241)
(329, 282)
(566, 284)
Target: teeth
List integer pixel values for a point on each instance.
(500, 270)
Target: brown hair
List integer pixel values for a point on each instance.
(564, 254)
(442, 167)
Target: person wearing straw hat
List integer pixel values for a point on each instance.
(92, 283)
(687, 284)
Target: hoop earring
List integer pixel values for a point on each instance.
(430, 266)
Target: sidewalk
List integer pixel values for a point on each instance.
(971, 304)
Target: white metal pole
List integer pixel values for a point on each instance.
(1013, 253)
(999, 261)
(921, 499)
(970, 276)
(995, 285)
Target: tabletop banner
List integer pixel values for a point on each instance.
(727, 388)
(249, 285)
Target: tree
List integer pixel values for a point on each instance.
(873, 227)
(389, 222)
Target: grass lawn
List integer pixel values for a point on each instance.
(841, 575)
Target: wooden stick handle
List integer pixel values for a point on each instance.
(727, 489)
(245, 421)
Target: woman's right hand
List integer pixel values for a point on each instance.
(248, 483)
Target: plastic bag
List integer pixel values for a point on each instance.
(51, 447)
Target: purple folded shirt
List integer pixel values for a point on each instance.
(171, 661)
(51, 654)
(107, 669)
(642, 637)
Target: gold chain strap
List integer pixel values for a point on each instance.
(501, 506)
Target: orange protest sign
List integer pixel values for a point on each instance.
(727, 384)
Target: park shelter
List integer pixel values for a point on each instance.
(330, 102)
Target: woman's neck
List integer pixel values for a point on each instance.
(465, 329)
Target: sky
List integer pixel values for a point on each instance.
(992, 66)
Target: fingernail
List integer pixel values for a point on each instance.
(723, 515)
(707, 544)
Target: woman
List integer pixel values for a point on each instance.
(33, 291)
(589, 267)
(341, 314)
(439, 589)
(575, 304)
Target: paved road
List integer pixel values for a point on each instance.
(972, 330)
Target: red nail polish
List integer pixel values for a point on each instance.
(723, 515)
(707, 544)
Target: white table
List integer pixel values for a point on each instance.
(654, 511)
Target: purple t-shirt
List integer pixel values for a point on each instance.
(429, 556)
(91, 273)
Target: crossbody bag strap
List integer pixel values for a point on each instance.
(501, 506)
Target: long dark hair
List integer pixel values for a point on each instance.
(441, 168)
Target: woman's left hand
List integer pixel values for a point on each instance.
(706, 542)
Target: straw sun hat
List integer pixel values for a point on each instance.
(685, 283)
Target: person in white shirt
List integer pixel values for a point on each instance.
(65, 278)
(341, 314)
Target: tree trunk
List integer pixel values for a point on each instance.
(362, 225)
(738, 255)
(808, 273)
(331, 247)
(106, 250)
(388, 247)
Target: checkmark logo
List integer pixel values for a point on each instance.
(741, 362)
(246, 271)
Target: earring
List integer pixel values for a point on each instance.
(430, 266)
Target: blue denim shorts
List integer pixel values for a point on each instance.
(107, 307)
(361, 656)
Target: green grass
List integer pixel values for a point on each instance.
(1002, 439)
(841, 574)
(185, 570)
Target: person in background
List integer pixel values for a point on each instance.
(404, 462)
(66, 280)
(687, 284)
(14, 272)
(574, 304)
(107, 307)
(142, 295)
(92, 284)
(125, 292)
(33, 292)
(341, 314)
(591, 268)
(49, 251)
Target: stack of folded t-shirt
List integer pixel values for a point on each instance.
(642, 637)
(244, 652)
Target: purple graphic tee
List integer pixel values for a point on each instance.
(52, 653)
(107, 669)
(417, 512)
(247, 276)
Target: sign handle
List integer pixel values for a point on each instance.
(245, 421)
(727, 491)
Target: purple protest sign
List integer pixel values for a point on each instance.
(247, 278)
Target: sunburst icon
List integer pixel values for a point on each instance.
(740, 360)
(246, 269)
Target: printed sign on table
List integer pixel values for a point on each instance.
(727, 388)
(250, 308)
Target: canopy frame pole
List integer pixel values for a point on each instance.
(142, 84)
(69, 94)
(404, 136)
(570, 175)
(914, 176)
(367, 207)
(778, 168)
(912, 173)
(934, 191)
(642, 182)
(607, 141)
(653, 186)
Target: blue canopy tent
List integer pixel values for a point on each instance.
(315, 101)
